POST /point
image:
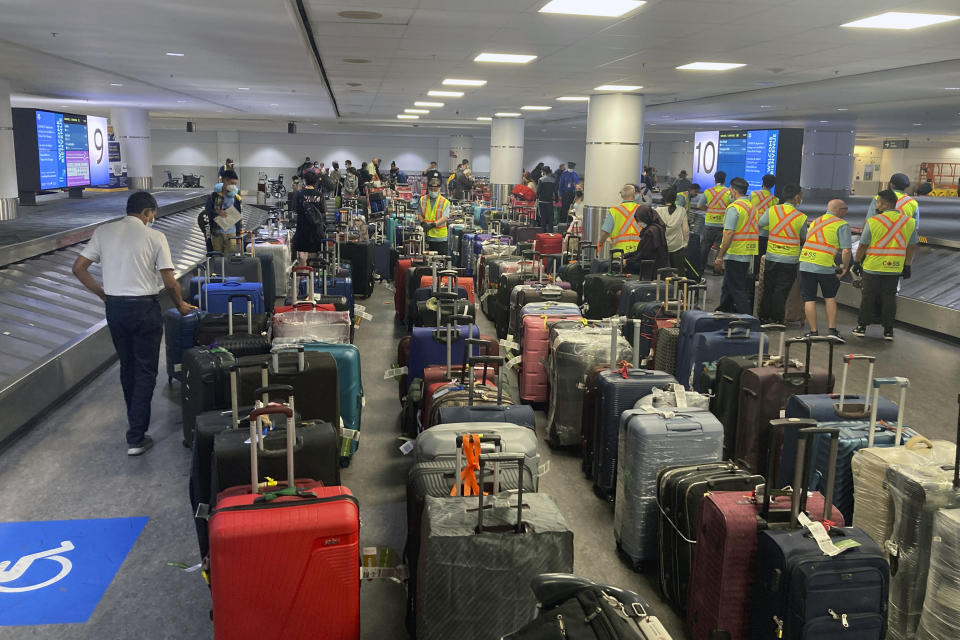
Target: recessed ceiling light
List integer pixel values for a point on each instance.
(918, 124)
(274, 104)
(824, 121)
(175, 55)
(618, 87)
(601, 8)
(951, 88)
(534, 107)
(317, 124)
(573, 99)
(711, 66)
(460, 82)
(416, 111)
(115, 84)
(507, 114)
(484, 118)
(405, 116)
(421, 103)
(842, 109)
(243, 88)
(766, 106)
(357, 60)
(899, 20)
(181, 101)
(445, 94)
(360, 15)
(510, 58)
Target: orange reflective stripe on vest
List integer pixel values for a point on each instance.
(784, 232)
(893, 243)
(748, 230)
(902, 204)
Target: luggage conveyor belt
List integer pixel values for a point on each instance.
(53, 334)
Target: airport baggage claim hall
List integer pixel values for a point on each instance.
(616, 239)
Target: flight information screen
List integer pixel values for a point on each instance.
(50, 150)
(748, 154)
(76, 150)
(59, 150)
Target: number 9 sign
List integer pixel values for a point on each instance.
(97, 144)
(705, 157)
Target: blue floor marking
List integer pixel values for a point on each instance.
(56, 571)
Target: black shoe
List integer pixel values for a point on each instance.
(142, 448)
(835, 334)
(811, 334)
(859, 331)
(888, 335)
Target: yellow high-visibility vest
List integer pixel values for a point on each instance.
(718, 199)
(746, 236)
(889, 234)
(431, 215)
(823, 241)
(626, 231)
(786, 221)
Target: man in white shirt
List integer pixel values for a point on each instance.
(131, 254)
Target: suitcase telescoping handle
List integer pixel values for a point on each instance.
(780, 329)
(498, 361)
(801, 474)
(234, 396)
(793, 376)
(855, 412)
(613, 260)
(301, 357)
(776, 426)
(831, 342)
(256, 430)
(738, 324)
(230, 300)
(299, 272)
(956, 460)
(903, 384)
(499, 459)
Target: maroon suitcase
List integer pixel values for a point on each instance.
(764, 392)
(721, 579)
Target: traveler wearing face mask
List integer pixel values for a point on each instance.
(224, 196)
(433, 215)
(131, 254)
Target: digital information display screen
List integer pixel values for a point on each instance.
(747, 154)
(76, 151)
(51, 150)
(97, 140)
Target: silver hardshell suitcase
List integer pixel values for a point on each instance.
(651, 439)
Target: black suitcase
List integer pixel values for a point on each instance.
(213, 326)
(243, 343)
(204, 385)
(680, 490)
(244, 266)
(361, 259)
(725, 403)
(313, 376)
(601, 291)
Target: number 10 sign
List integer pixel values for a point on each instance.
(706, 151)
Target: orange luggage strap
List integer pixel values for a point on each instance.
(468, 475)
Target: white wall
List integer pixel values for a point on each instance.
(669, 158)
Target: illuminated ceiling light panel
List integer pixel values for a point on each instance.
(484, 118)
(507, 114)
(598, 8)
(534, 107)
(711, 66)
(175, 55)
(460, 82)
(900, 20)
(404, 116)
(445, 94)
(573, 99)
(510, 58)
(421, 103)
(243, 88)
(618, 87)
(416, 111)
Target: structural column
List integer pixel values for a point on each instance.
(132, 130)
(460, 148)
(8, 163)
(827, 168)
(614, 155)
(506, 157)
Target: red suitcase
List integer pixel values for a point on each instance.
(285, 566)
(400, 286)
(463, 281)
(721, 579)
(548, 244)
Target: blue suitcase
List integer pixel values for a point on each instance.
(351, 393)
(694, 322)
(549, 308)
(842, 406)
(521, 415)
(178, 331)
(197, 281)
(616, 392)
(381, 260)
(634, 291)
(799, 593)
(269, 280)
(738, 339)
(428, 346)
(217, 295)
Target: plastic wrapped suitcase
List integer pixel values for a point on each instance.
(941, 615)
(739, 338)
(311, 326)
(673, 395)
(763, 395)
(475, 563)
(617, 391)
(680, 490)
(440, 442)
(350, 380)
(314, 593)
(800, 591)
(722, 575)
(695, 322)
(438, 479)
(918, 493)
(534, 348)
(545, 296)
(650, 439)
(573, 353)
(280, 254)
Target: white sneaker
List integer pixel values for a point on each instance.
(141, 448)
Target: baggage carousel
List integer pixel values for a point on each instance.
(53, 334)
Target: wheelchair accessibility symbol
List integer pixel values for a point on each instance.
(20, 567)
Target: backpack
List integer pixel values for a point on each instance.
(316, 218)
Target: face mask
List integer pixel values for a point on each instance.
(150, 224)
(434, 194)
(232, 190)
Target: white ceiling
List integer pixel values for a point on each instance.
(801, 66)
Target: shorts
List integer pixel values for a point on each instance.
(829, 285)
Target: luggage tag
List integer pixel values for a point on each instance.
(395, 373)
(516, 360)
(820, 535)
(509, 344)
(407, 447)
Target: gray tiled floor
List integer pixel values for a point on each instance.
(72, 465)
